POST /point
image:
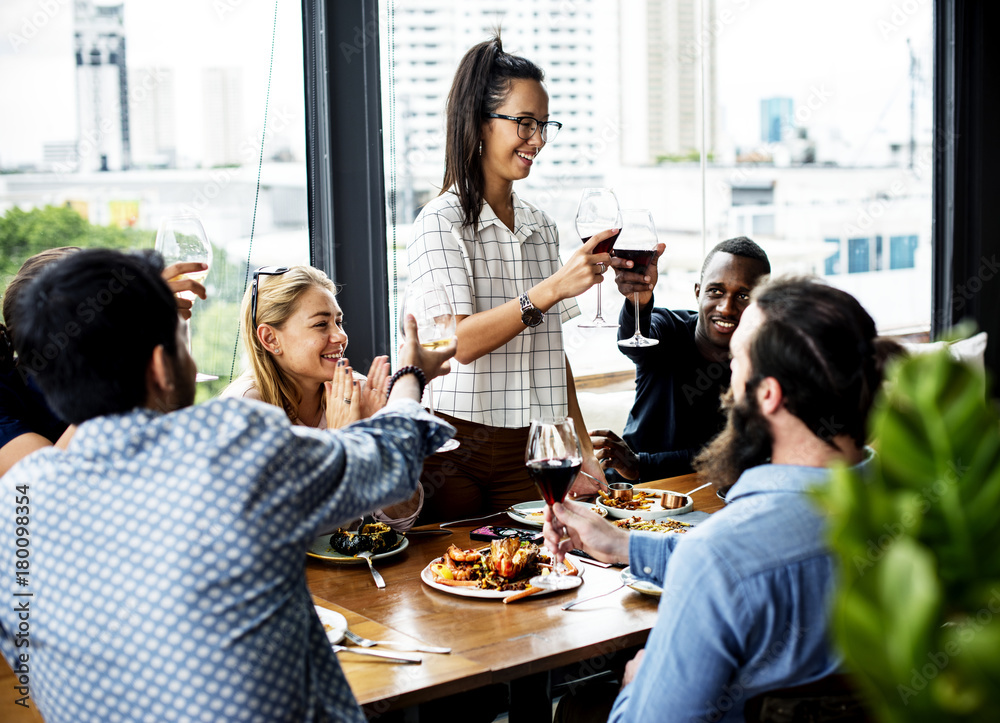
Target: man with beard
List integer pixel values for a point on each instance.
(678, 381)
(165, 575)
(744, 607)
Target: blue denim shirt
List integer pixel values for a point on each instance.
(745, 604)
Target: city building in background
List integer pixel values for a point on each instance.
(101, 87)
(153, 112)
(225, 130)
(776, 119)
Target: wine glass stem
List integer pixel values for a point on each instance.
(430, 398)
(635, 298)
(599, 314)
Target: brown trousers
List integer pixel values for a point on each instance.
(485, 474)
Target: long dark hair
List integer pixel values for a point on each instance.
(28, 271)
(481, 85)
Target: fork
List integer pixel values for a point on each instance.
(366, 643)
(367, 555)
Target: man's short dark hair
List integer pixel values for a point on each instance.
(823, 348)
(87, 327)
(739, 246)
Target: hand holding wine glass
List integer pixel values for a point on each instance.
(637, 244)
(553, 458)
(429, 305)
(598, 211)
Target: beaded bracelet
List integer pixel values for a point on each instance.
(402, 371)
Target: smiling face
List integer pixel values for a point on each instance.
(312, 340)
(506, 156)
(723, 295)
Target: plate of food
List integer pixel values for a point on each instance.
(495, 573)
(666, 525)
(343, 545)
(643, 586)
(334, 624)
(532, 513)
(645, 504)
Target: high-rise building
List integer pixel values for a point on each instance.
(428, 39)
(103, 141)
(776, 119)
(225, 136)
(662, 72)
(153, 112)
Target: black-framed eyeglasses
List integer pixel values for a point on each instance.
(526, 126)
(262, 271)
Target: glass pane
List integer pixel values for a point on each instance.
(149, 112)
(806, 147)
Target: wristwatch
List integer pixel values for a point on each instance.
(530, 316)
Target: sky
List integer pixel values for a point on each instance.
(847, 59)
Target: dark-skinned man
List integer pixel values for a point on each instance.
(679, 381)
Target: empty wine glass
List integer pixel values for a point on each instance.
(183, 239)
(598, 211)
(638, 245)
(553, 459)
(429, 304)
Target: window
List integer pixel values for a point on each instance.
(902, 250)
(858, 256)
(130, 129)
(831, 265)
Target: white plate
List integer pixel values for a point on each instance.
(530, 513)
(646, 588)
(428, 578)
(321, 550)
(654, 512)
(334, 623)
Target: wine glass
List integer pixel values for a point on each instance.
(638, 245)
(429, 304)
(598, 211)
(183, 239)
(553, 459)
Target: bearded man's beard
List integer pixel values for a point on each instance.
(745, 442)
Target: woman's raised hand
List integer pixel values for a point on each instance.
(373, 396)
(343, 397)
(584, 268)
(433, 362)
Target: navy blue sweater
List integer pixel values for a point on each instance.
(676, 410)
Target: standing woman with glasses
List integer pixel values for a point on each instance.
(498, 257)
(294, 337)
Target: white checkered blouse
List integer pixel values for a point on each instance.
(482, 269)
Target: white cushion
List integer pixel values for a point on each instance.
(971, 350)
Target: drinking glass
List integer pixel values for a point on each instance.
(637, 244)
(429, 304)
(598, 211)
(553, 459)
(183, 239)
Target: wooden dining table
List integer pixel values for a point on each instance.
(491, 642)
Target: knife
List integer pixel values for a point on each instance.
(396, 658)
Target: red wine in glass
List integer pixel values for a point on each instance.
(606, 245)
(553, 477)
(640, 258)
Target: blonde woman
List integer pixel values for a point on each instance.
(293, 333)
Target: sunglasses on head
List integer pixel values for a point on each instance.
(262, 271)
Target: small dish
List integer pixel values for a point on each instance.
(646, 588)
